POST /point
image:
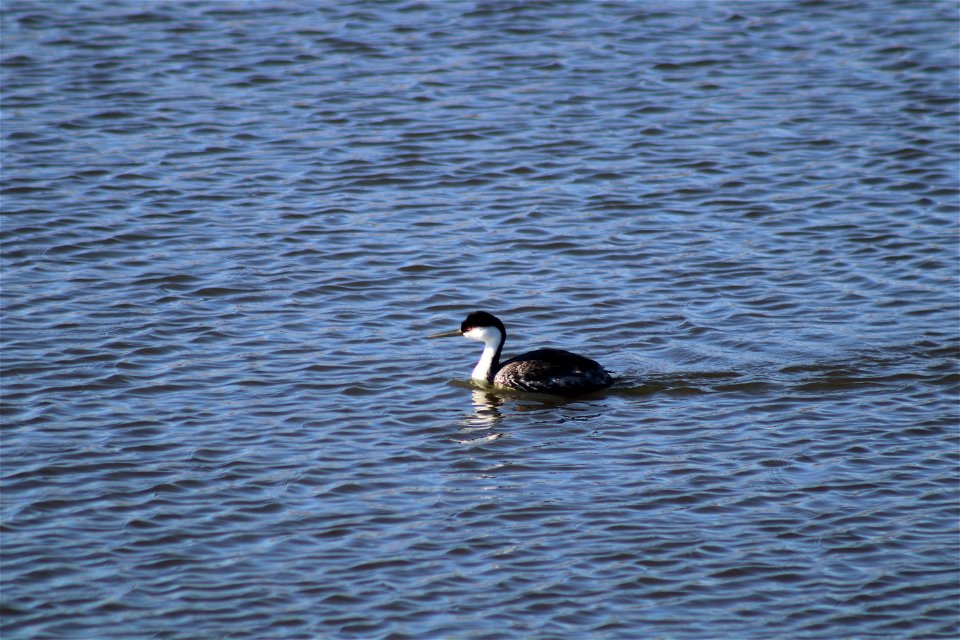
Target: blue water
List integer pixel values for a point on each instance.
(228, 228)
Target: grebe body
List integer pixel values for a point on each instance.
(542, 371)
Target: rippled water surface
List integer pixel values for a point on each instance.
(229, 225)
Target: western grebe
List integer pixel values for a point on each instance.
(542, 371)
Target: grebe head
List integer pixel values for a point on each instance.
(483, 327)
(480, 326)
(486, 328)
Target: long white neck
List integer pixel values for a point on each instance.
(491, 339)
(482, 370)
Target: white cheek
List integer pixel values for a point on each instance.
(476, 333)
(487, 335)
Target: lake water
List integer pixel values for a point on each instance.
(229, 226)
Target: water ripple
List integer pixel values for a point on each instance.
(227, 230)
